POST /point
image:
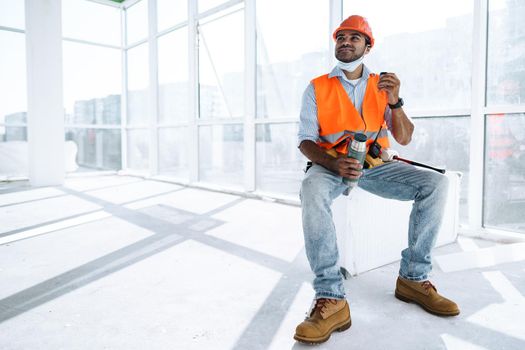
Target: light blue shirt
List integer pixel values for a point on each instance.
(308, 124)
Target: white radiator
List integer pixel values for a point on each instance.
(368, 239)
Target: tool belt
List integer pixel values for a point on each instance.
(370, 161)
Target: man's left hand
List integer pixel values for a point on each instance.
(390, 83)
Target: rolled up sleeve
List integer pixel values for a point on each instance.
(308, 124)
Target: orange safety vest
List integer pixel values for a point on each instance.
(338, 118)
(501, 142)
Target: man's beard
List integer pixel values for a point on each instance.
(348, 60)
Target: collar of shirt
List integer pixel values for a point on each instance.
(338, 72)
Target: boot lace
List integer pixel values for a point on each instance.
(321, 304)
(427, 285)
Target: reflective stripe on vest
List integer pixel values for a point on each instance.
(338, 118)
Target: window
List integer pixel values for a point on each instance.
(137, 22)
(138, 149)
(96, 149)
(138, 83)
(92, 84)
(138, 108)
(279, 161)
(221, 154)
(430, 52)
(205, 5)
(287, 61)
(173, 76)
(506, 53)
(13, 82)
(92, 75)
(173, 152)
(78, 22)
(442, 142)
(171, 12)
(504, 197)
(12, 14)
(221, 67)
(13, 106)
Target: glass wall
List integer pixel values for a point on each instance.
(506, 53)
(289, 55)
(137, 22)
(77, 22)
(205, 5)
(138, 88)
(13, 105)
(138, 85)
(504, 199)
(443, 143)
(504, 187)
(173, 152)
(221, 154)
(279, 162)
(430, 52)
(221, 97)
(173, 90)
(92, 66)
(164, 133)
(171, 12)
(173, 77)
(221, 65)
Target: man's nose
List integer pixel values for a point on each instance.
(346, 42)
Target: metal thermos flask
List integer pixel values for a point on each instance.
(357, 150)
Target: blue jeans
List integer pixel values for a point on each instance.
(395, 180)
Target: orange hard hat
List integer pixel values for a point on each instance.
(357, 23)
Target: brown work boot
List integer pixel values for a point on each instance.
(425, 294)
(327, 315)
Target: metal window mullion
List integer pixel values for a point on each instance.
(250, 78)
(208, 122)
(507, 109)
(14, 125)
(92, 43)
(153, 88)
(106, 2)
(277, 121)
(335, 18)
(137, 43)
(128, 3)
(93, 126)
(193, 87)
(172, 125)
(477, 120)
(438, 113)
(124, 99)
(172, 29)
(216, 9)
(11, 29)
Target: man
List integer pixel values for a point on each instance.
(335, 106)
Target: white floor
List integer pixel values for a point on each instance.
(122, 263)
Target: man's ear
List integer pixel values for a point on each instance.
(368, 48)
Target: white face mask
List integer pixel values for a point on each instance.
(350, 66)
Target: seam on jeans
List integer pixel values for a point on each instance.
(319, 295)
(416, 224)
(416, 279)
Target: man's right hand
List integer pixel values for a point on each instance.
(342, 166)
(349, 168)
